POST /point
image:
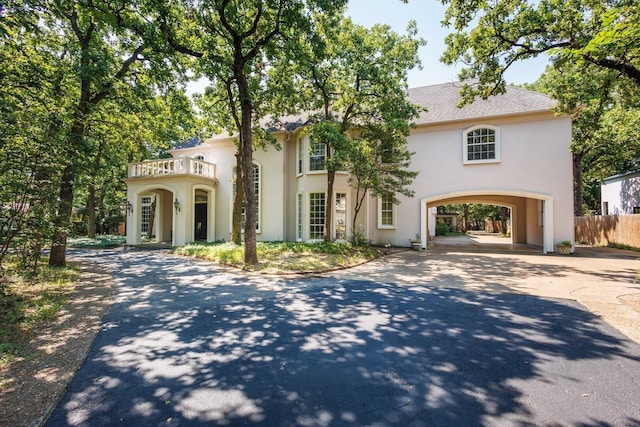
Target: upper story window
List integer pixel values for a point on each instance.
(300, 155)
(317, 155)
(481, 144)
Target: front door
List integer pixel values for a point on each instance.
(200, 232)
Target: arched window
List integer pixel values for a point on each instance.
(481, 144)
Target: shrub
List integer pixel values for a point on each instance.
(442, 229)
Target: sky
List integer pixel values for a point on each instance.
(428, 14)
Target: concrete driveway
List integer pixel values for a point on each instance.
(605, 280)
(412, 339)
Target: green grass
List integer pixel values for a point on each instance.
(621, 246)
(280, 257)
(103, 241)
(455, 233)
(27, 302)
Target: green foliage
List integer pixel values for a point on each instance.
(100, 241)
(606, 114)
(442, 229)
(27, 301)
(355, 78)
(490, 36)
(359, 238)
(233, 42)
(84, 88)
(284, 256)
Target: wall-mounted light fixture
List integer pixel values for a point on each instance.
(128, 206)
(176, 204)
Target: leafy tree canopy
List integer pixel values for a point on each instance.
(489, 36)
(605, 109)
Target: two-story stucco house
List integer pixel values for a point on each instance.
(510, 150)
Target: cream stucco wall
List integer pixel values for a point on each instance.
(535, 164)
(533, 178)
(305, 183)
(221, 152)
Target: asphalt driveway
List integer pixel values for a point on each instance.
(187, 344)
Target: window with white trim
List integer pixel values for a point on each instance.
(317, 155)
(256, 189)
(300, 155)
(145, 212)
(481, 144)
(299, 218)
(316, 216)
(386, 213)
(341, 216)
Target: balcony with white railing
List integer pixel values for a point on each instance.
(173, 166)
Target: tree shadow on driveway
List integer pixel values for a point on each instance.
(185, 344)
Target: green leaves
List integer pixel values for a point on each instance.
(490, 36)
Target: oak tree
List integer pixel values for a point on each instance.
(489, 36)
(353, 81)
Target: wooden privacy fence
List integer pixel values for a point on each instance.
(604, 230)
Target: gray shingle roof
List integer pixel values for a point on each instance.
(442, 100)
(190, 143)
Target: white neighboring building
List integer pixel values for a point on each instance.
(510, 150)
(620, 194)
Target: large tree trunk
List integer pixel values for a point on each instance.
(466, 218)
(91, 212)
(360, 196)
(238, 200)
(503, 220)
(578, 185)
(246, 152)
(328, 212)
(57, 258)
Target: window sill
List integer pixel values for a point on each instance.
(480, 162)
(386, 227)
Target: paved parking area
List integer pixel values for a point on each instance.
(605, 280)
(436, 338)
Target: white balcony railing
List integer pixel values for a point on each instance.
(173, 166)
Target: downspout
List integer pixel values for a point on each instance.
(424, 224)
(368, 229)
(285, 185)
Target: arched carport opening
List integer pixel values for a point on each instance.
(152, 217)
(474, 219)
(531, 214)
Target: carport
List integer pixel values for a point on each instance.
(531, 215)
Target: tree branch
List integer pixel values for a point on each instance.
(626, 69)
(126, 66)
